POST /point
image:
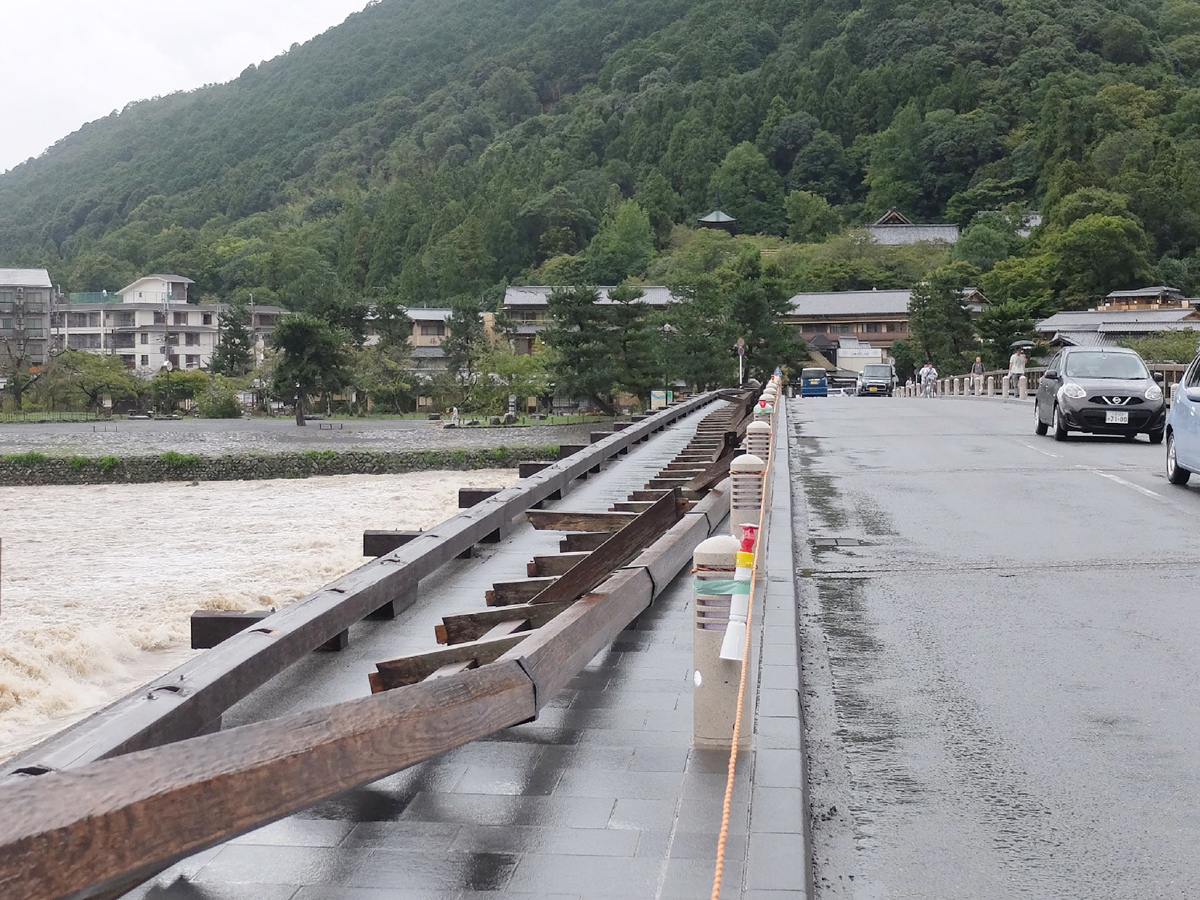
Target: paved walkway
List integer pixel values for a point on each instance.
(601, 797)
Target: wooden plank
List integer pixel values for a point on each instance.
(656, 483)
(395, 673)
(616, 551)
(556, 564)
(82, 833)
(713, 475)
(381, 543)
(561, 520)
(526, 468)
(634, 506)
(506, 593)
(455, 668)
(648, 495)
(211, 626)
(582, 543)
(472, 626)
(468, 497)
(565, 450)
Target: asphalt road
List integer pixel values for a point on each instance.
(999, 657)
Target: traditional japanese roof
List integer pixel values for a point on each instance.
(1083, 339)
(428, 353)
(1117, 320)
(427, 314)
(716, 217)
(1147, 293)
(850, 303)
(912, 234)
(29, 278)
(535, 295)
(894, 217)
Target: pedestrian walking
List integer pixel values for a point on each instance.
(977, 376)
(1016, 367)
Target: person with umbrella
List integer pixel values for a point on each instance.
(1016, 365)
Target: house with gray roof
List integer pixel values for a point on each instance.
(896, 228)
(880, 318)
(528, 309)
(1123, 314)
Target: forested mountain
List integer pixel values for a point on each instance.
(428, 149)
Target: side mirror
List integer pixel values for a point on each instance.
(1051, 374)
(1193, 394)
(1158, 376)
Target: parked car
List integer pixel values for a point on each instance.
(876, 378)
(814, 383)
(1183, 427)
(1101, 390)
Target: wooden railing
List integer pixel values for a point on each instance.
(191, 699)
(100, 828)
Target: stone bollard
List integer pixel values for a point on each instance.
(1004, 385)
(758, 439)
(763, 412)
(1022, 387)
(991, 386)
(745, 492)
(715, 680)
(958, 387)
(1174, 391)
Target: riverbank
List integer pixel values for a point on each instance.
(99, 581)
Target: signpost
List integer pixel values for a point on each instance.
(741, 351)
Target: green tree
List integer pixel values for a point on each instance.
(1098, 254)
(581, 337)
(622, 247)
(466, 344)
(234, 355)
(1166, 346)
(312, 359)
(750, 190)
(940, 324)
(95, 377)
(1000, 325)
(382, 373)
(219, 399)
(811, 217)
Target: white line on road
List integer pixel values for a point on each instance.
(1039, 450)
(1122, 481)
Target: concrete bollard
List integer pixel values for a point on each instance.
(715, 680)
(745, 492)
(1005, 385)
(764, 413)
(990, 386)
(758, 439)
(1022, 387)
(1174, 391)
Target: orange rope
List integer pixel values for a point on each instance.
(723, 837)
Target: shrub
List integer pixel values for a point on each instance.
(78, 463)
(32, 458)
(107, 463)
(179, 460)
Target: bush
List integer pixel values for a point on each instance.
(31, 458)
(219, 400)
(78, 463)
(179, 460)
(107, 463)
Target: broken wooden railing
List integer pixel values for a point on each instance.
(106, 825)
(190, 700)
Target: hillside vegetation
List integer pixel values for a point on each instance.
(431, 149)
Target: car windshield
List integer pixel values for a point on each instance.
(1105, 365)
(877, 371)
(813, 373)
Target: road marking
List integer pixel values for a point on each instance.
(1039, 450)
(1122, 481)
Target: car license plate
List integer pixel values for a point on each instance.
(1116, 418)
(872, 390)
(814, 381)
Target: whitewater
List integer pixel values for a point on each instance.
(97, 582)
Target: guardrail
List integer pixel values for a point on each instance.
(1172, 374)
(103, 827)
(190, 700)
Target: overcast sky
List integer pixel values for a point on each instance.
(71, 61)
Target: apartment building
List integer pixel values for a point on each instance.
(148, 324)
(26, 298)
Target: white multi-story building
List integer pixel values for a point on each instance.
(148, 324)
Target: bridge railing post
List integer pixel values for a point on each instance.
(1022, 387)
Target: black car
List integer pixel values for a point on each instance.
(875, 378)
(1101, 390)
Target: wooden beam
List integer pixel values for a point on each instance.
(556, 564)
(381, 543)
(507, 593)
(474, 626)
(634, 506)
(561, 520)
(526, 468)
(468, 497)
(395, 673)
(582, 543)
(83, 833)
(616, 551)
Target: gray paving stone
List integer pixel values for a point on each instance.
(538, 781)
(637, 877)
(427, 836)
(259, 864)
(614, 785)
(410, 870)
(775, 862)
(298, 832)
(778, 768)
(182, 889)
(535, 839)
(659, 759)
(483, 809)
(777, 809)
(643, 815)
(779, 703)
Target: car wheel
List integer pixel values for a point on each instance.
(1060, 428)
(1041, 427)
(1156, 437)
(1175, 474)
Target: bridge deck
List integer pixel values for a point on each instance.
(601, 797)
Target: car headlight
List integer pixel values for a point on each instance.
(1154, 392)
(1074, 391)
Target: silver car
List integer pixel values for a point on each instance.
(1101, 390)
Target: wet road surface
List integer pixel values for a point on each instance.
(998, 638)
